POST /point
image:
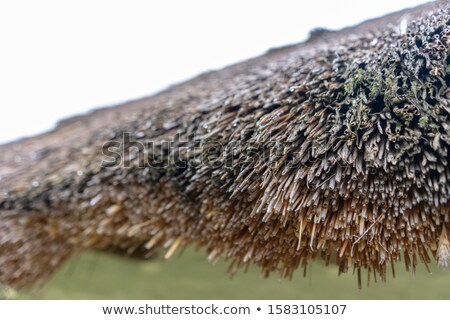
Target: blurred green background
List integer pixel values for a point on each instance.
(96, 275)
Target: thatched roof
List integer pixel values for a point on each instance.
(333, 149)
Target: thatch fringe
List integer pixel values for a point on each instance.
(333, 150)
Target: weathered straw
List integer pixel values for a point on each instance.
(335, 149)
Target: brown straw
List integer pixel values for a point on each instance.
(333, 149)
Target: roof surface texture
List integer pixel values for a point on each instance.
(333, 149)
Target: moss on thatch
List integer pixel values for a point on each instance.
(335, 149)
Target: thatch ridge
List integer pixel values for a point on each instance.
(336, 148)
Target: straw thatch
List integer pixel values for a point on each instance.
(334, 149)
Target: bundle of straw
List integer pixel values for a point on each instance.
(333, 149)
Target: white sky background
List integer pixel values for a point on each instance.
(58, 58)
